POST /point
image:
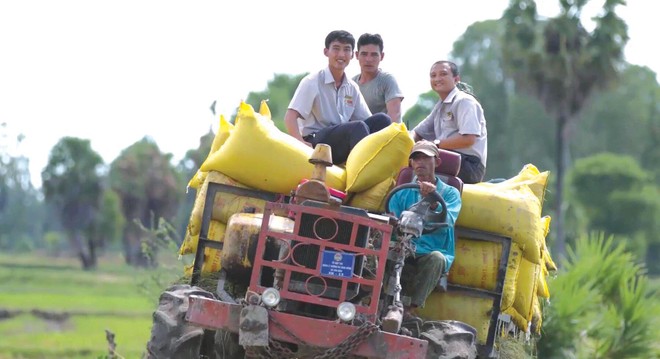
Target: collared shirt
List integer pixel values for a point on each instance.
(442, 239)
(458, 113)
(321, 104)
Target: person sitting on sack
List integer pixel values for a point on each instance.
(328, 107)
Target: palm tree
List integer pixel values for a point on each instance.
(563, 64)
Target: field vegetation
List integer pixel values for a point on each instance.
(49, 308)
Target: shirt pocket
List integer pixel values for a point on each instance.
(448, 122)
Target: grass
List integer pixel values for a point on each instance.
(114, 297)
(512, 348)
(56, 310)
(78, 337)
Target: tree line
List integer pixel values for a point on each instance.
(554, 94)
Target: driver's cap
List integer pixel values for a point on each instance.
(426, 147)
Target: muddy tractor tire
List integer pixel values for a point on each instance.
(449, 340)
(171, 336)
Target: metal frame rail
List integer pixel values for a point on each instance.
(204, 242)
(486, 350)
(290, 266)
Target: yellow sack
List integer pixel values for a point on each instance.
(225, 204)
(379, 156)
(475, 263)
(197, 180)
(517, 319)
(463, 306)
(195, 221)
(224, 130)
(526, 287)
(542, 289)
(373, 199)
(547, 264)
(530, 176)
(262, 157)
(512, 267)
(545, 224)
(212, 262)
(212, 257)
(216, 233)
(537, 317)
(512, 213)
(546, 258)
(265, 111)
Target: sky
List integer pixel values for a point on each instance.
(116, 71)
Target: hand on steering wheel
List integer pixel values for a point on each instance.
(432, 220)
(426, 188)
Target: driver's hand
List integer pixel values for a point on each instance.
(425, 188)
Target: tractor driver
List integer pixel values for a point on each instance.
(434, 253)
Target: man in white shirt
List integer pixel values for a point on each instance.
(328, 107)
(456, 123)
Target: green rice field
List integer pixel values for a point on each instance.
(50, 308)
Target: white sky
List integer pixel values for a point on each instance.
(115, 71)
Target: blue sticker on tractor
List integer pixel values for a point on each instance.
(337, 264)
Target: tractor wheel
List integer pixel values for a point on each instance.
(171, 336)
(449, 340)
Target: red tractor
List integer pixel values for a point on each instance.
(307, 278)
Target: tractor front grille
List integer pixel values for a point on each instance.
(322, 229)
(324, 238)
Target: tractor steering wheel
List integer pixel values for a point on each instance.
(431, 219)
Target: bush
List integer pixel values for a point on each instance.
(602, 306)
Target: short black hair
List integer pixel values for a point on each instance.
(465, 87)
(342, 36)
(370, 39)
(452, 66)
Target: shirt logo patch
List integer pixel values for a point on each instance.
(348, 100)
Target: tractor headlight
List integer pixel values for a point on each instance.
(346, 311)
(270, 297)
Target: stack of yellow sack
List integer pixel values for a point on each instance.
(224, 204)
(254, 153)
(513, 208)
(261, 156)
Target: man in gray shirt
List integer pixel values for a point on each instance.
(328, 107)
(379, 88)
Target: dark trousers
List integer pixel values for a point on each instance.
(342, 138)
(421, 275)
(472, 171)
